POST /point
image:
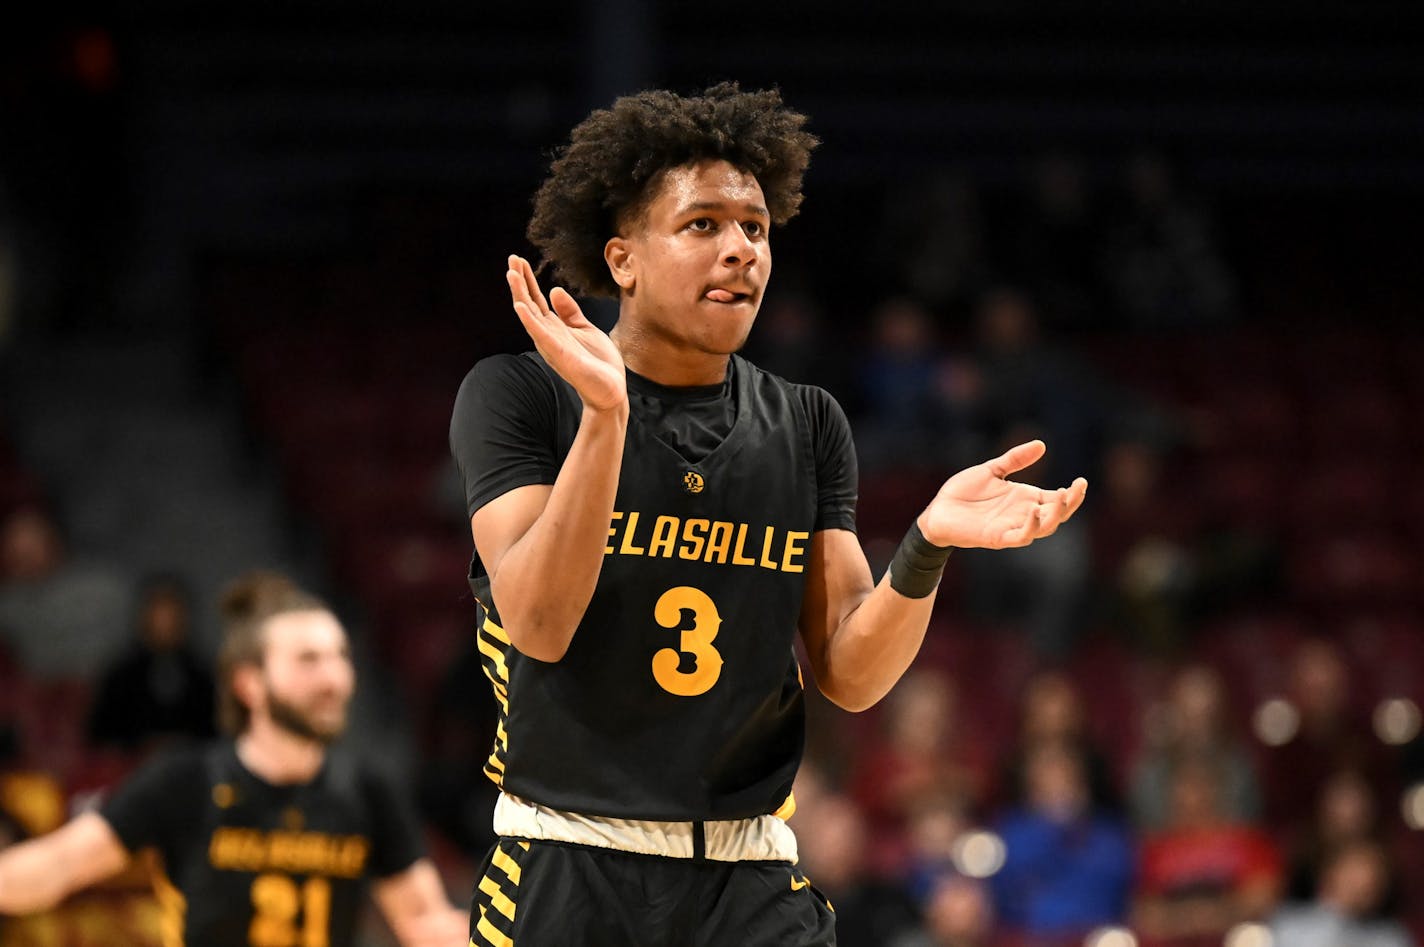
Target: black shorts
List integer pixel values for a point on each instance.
(551, 894)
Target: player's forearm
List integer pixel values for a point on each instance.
(545, 581)
(418, 910)
(873, 646)
(30, 879)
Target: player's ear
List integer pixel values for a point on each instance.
(247, 684)
(618, 254)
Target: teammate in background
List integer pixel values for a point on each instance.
(267, 839)
(654, 518)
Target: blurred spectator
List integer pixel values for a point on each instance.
(1068, 866)
(1346, 911)
(934, 238)
(924, 754)
(455, 794)
(60, 618)
(1054, 247)
(832, 837)
(937, 828)
(1204, 873)
(1142, 548)
(905, 422)
(1161, 260)
(1195, 729)
(1027, 388)
(1025, 380)
(1052, 713)
(1331, 736)
(958, 913)
(158, 690)
(793, 341)
(1345, 814)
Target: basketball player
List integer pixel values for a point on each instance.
(267, 840)
(654, 519)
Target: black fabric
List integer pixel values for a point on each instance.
(714, 547)
(502, 430)
(692, 421)
(576, 896)
(230, 841)
(152, 695)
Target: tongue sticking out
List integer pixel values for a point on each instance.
(721, 296)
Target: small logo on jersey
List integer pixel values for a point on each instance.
(293, 819)
(798, 885)
(692, 482)
(224, 796)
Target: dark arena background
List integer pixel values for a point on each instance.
(248, 252)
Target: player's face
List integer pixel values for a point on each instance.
(307, 675)
(698, 260)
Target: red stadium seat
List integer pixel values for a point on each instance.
(1246, 493)
(1355, 423)
(1247, 417)
(1357, 569)
(1343, 492)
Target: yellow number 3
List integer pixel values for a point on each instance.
(696, 641)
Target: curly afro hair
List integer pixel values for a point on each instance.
(607, 173)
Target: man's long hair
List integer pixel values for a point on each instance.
(247, 605)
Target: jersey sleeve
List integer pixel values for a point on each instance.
(502, 428)
(837, 471)
(151, 808)
(397, 838)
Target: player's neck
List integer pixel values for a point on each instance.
(658, 359)
(277, 756)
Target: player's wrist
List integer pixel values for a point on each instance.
(615, 411)
(918, 564)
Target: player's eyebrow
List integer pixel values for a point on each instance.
(755, 210)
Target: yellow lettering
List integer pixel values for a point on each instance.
(628, 549)
(299, 853)
(282, 850)
(252, 851)
(737, 558)
(612, 531)
(767, 538)
(664, 537)
(694, 534)
(718, 542)
(219, 849)
(353, 856)
(792, 550)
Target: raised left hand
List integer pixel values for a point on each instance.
(978, 508)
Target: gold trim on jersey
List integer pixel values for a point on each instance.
(494, 647)
(173, 907)
(497, 893)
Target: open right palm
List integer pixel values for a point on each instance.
(582, 354)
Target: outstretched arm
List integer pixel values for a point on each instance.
(415, 905)
(38, 874)
(861, 636)
(536, 532)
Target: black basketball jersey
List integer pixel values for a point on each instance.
(250, 864)
(680, 697)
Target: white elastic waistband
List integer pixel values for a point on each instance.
(764, 838)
